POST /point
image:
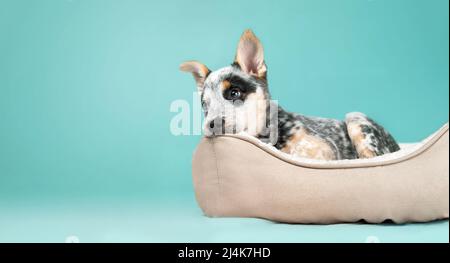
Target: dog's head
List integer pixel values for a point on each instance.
(235, 98)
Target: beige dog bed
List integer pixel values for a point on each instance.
(238, 176)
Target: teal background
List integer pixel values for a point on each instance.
(86, 85)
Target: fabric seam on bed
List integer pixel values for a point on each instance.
(219, 194)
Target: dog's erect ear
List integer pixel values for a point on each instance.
(250, 55)
(198, 70)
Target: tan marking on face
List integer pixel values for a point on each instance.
(225, 85)
(303, 144)
(359, 141)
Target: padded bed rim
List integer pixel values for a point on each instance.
(341, 164)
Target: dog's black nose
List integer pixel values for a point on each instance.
(216, 125)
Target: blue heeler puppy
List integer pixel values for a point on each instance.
(231, 94)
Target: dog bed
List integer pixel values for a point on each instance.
(239, 176)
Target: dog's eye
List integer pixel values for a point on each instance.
(235, 94)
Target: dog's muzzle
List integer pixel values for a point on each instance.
(215, 127)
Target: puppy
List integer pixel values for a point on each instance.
(236, 99)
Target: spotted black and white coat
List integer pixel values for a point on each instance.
(236, 99)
